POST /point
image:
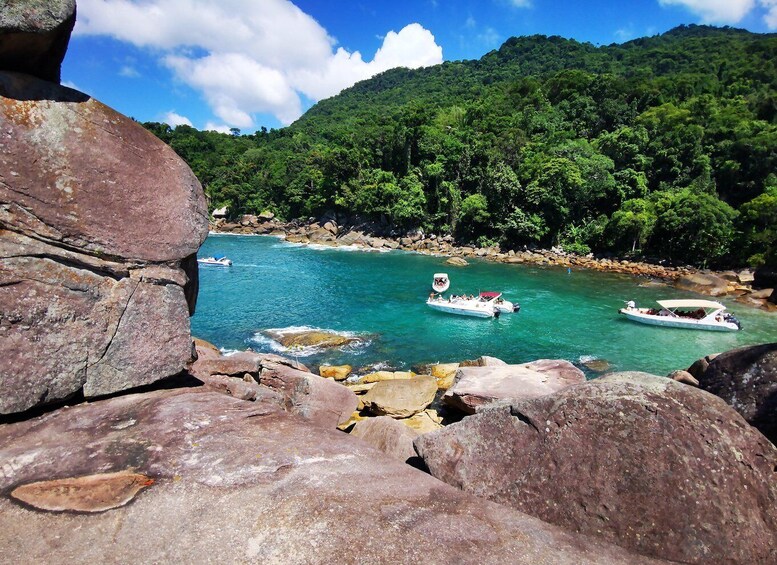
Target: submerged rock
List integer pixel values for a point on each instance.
(239, 481)
(310, 338)
(656, 466)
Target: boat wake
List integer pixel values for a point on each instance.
(305, 341)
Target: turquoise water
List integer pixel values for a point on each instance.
(379, 297)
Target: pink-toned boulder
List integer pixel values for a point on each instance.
(657, 466)
(324, 402)
(34, 36)
(99, 221)
(401, 398)
(244, 482)
(387, 434)
(477, 386)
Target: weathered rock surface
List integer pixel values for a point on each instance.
(315, 398)
(703, 283)
(34, 35)
(336, 372)
(746, 378)
(323, 402)
(75, 173)
(393, 438)
(400, 398)
(310, 338)
(477, 386)
(656, 466)
(236, 481)
(96, 218)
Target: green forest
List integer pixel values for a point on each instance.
(660, 147)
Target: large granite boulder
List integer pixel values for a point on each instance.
(477, 386)
(746, 378)
(401, 398)
(651, 464)
(34, 35)
(387, 434)
(97, 217)
(320, 400)
(703, 283)
(198, 477)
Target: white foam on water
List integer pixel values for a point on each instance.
(264, 341)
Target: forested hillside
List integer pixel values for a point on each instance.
(662, 146)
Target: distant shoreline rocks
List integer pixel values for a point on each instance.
(327, 232)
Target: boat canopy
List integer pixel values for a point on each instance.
(440, 275)
(489, 294)
(670, 304)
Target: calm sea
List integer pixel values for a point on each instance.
(379, 298)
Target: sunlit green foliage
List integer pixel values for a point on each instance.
(659, 146)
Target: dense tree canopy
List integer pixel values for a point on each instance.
(659, 146)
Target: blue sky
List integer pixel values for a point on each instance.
(216, 64)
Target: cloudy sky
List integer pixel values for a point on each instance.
(217, 64)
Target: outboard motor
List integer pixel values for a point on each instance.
(497, 311)
(731, 318)
(516, 308)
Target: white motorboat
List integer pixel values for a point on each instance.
(218, 260)
(691, 314)
(486, 305)
(441, 282)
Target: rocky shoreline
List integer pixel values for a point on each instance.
(123, 440)
(327, 232)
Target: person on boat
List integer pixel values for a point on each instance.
(631, 305)
(431, 295)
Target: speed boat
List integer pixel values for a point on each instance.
(486, 305)
(218, 260)
(441, 282)
(690, 314)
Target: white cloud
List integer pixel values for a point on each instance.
(624, 33)
(521, 3)
(129, 72)
(770, 17)
(173, 119)
(715, 11)
(250, 57)
(221, 128)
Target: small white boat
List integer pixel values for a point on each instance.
(441, 282)
(690, 314)
(218, 260)
(486, 305)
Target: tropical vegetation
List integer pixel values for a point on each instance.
(663, 146)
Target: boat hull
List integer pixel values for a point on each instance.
(674, 322)
(486, 311)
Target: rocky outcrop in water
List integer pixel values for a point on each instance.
(233, 481)
(656, 466)
(746, 378)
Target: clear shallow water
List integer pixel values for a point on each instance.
(380, 297)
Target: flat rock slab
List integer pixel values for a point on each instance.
(478, 386)
(657, 466)
(401, 398)
(236, 481)
(387, 434)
